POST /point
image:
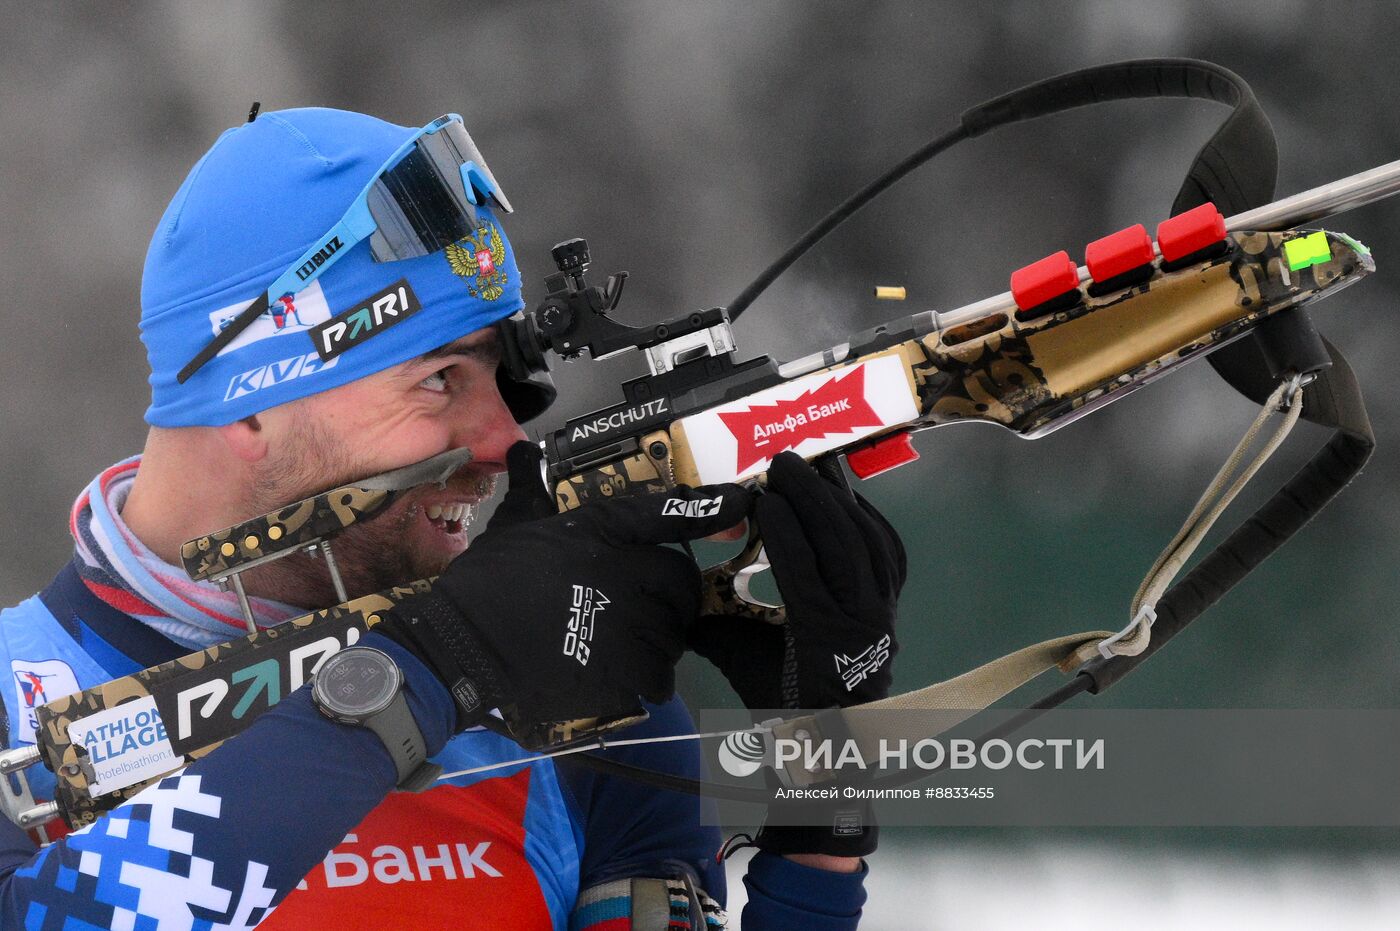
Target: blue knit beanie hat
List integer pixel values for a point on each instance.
(255, 202)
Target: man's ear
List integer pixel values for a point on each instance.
(245, 438)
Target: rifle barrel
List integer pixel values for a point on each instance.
(1325, 200)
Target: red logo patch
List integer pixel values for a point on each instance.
(483, 261)
(838, 406)
(426, 860)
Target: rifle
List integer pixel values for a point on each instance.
(1064, 341)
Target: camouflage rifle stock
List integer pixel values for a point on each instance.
(1062, 343)
(1027, 364)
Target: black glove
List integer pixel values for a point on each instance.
(839, 566)
(565, 616)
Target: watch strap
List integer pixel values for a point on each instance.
(401, 736)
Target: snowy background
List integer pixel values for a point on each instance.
(690, 142)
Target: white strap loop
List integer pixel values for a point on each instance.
(1139, 629)
(1286, 402)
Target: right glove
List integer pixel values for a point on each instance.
(565, 616)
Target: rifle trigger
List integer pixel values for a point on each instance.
(725, 588)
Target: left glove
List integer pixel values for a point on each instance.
(840, 567)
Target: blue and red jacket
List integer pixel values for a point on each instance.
(293, 825)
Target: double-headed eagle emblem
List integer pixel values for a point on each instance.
(478, 258)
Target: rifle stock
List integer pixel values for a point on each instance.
(1030, 371)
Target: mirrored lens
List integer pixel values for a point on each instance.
(465, 152)
(418, 208)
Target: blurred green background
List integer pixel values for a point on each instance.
(690, 142)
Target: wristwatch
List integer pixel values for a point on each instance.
(363, 687)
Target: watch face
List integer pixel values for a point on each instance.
(356, 682)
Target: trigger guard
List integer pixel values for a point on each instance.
(726, 589)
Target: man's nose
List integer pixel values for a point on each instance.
(486, 425)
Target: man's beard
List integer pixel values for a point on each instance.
(375, 554)
(371, 556)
